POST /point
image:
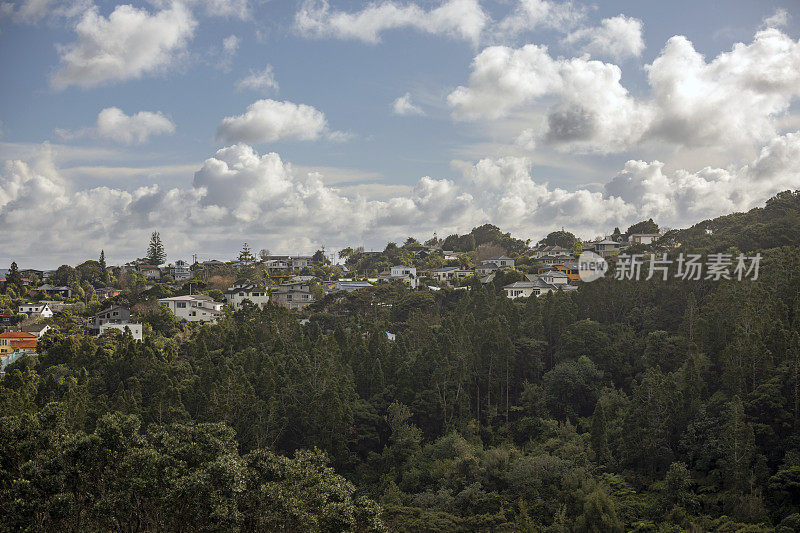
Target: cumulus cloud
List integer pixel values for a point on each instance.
(779, 19)
(262, 81)
(269, 121)
(128, 44)
(592, 109)
(34, 11)
(617, 37)
(727, 103)
(113, 124)
(530, 15)
(460, 19)
(265, 199)
(404, 106)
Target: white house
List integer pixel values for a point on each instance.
(486, 268)
(181, 270)
(136, 329)
(36, 310)
(402, 273)
(349, 285)
(193, 307)
(245, 290)
(554, 277)
(536, 286)
(643, 238)
(450, 274)
(500, 261)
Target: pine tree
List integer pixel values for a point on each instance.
(155, 252)
(246, 257)
(102, 259)
(14, 277)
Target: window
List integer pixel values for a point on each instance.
(182, 305)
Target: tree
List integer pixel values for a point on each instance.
(646, 226)
(319, 257)
(245, 256)
(561, 238)
(14, 277)
(264, 254)
(102, 259)
(155, 252)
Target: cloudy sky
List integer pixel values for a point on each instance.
(297, 124)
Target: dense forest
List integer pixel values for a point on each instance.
(622, 406)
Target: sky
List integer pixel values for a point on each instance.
(293, 125)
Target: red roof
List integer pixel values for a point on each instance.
(24, 343)
(17, 335)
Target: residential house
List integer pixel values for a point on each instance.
(500, 261)
(450, 274)
(292, 295)
(18, 342)
(486, 268)
(643, 238)
(8, 318)
(181, 271)
(150, 271)
(348, 285)
(55, 306)
(116, 314)
(246, 290)
(555, 259)
(135, 329)
(402, 273)
(106, 292)
(193, 307)
(54, 290)
(607, 247)
(570, 268)
(36, 329)
(36, 310)
(549, 251)
(537, 286)
(552, 277)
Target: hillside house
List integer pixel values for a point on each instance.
(193, 307)
(246, 290)
(643, 238)
(36, 310)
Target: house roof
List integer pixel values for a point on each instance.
(555, 274)
(499, 258)
(17, 335)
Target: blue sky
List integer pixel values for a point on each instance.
(513, 116)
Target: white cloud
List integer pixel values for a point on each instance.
(230, 44)
(113, 124)
(263, 81)
(731, 102)
(617, 38)
(264, 199)
(269, 121)
(461, 19)
(779, 19)
(34, 11)
(404, 106)
(530, 15)
(128, 44)
(227, 8)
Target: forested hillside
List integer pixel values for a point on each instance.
(622, 406)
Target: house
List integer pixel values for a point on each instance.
(135, 329)
(246, 290)
(116, 314)
(193, 307)
(500, 261)
(181, 271)
(534, 286)
(55, 306)
(348, 285)
(555, 259)
(8, 318)
(276, 264)
(401, 273)
(12, 342)
(450, 274)
(554, 277)
(106, 292)
(643, 238)
(549, 251)
(570, 268)
(292, 295)
(486, 268)
(149, 271)
(36, 329)
(606, 247)
(302, 279)
(53, 290)
(36, 310)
